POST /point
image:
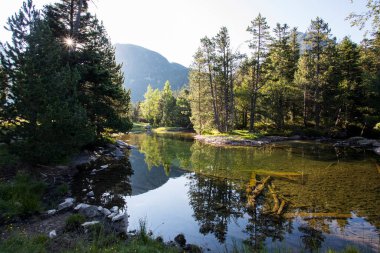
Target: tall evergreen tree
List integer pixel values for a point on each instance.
(224, 78)
(201, 85)
(316, 72)
(47, 120)
(259, 31)
(280, 68)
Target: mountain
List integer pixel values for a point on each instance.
(142, 67)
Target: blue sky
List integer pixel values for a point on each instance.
(174, 27)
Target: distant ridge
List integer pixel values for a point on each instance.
(142, 67)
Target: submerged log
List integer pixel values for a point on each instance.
(292, 176)
(254, 192)
(306, 215)
(276, 205)
(282, 205)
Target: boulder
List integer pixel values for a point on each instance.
(68, 203)
(90, 211)
(90, 194)
(118, 217)
(104, 166)
(365, 143)
(81, 206)
(105, 211)
(377, 151)
(114, 209)
(376, 144)
(51, 212)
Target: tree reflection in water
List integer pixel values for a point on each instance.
(109, 185)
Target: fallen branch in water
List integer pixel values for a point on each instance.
(282, 205)
(306, 215)
(276, 205)
(252, 194)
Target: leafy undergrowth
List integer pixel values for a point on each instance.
(21, 197)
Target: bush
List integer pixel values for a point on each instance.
(21, 197)
(74, 222)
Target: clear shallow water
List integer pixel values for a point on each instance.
(181, 186)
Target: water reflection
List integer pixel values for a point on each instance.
(332, 195)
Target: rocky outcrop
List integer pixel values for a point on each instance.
(360, 142)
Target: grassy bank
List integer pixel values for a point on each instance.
(95, 240)
(20, 197)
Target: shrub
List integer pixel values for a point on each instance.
(74, 222)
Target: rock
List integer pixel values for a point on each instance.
(104, 166)
(84, 190)
(180, 239)
(100, 208)
(121, 144)
(365, 143)
(118, 217)
(69, 202)
(90, 223)
(90, 211)
(376, 144)
(90, 194)
(51, 212)
(118, 153)
(81, 206)
(52, 234)
(62, 167)
(377, 151)
(114, 209)
(105, 211)
(111, 215)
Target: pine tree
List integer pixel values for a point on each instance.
(318, 41)
(48, 123)
(280, 67)
(91, 53)
(224, 78)
(259, 31)
(201, 102)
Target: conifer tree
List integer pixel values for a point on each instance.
(259, 31)
(201, 84)
(48, 123)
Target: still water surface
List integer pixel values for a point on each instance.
(182, 186)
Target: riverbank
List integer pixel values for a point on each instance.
(40, 214)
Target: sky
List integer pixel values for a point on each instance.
(174, 27)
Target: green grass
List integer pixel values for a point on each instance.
(240, 134)
(23, 244)
(21, 197)
(139, 127)
(74, 222)
(7, 158)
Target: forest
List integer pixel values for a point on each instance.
(291, 81)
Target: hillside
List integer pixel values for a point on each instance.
(142, 66)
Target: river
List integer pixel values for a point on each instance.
(178, 185)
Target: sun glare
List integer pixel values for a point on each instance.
(69, 42)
